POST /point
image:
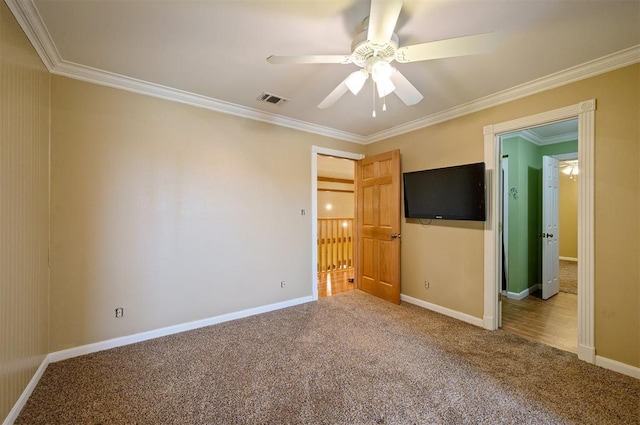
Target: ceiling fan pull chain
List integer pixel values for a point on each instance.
(384, 104)
(373, 86)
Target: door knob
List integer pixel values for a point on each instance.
(395, 235)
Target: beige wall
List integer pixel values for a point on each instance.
(172, 212)
(177, 213)
(24, 211)
(451, 253)
(568, 211)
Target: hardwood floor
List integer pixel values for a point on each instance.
(553, 322)
(335, 282)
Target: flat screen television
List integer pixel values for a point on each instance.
(451, 193)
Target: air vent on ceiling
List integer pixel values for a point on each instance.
(272, 98)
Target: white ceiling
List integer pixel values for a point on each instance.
(217, 49)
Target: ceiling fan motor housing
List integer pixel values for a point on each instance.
(363, 50)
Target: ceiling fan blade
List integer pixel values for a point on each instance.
(460, 46)
(356, 80)
(382, 20)
(404, 89)
(342, 59)
(333, 97)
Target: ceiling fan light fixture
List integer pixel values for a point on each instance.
(381, 74)
(570, 168)
(355, 81)
(381, 71)
(385, 87)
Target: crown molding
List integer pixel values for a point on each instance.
(109, 79)
(589, 69)
(532, 137)
(29, 19)
(31, 23)
(541, 141)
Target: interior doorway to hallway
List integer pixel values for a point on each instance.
(539, 296)
(585, 112)
(335, 211)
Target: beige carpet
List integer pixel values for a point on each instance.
(348, 359)
(568, 274)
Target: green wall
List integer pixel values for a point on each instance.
(525, 212)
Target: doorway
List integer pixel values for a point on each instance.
(537, 193)
(377, 222)
(336, 225)
(585, 113)
(318, 154)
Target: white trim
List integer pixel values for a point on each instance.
(600, 361)
(315, 151)
(476, 321)
(585, 112)
(57, 356)
(104, 78)
(586, 231)
(524, 294)
(27, 16)
(170, 330)
(532, 137)
(586, 353)
(575, 260)
(566, 156)
(617, 366)
(589, 69)
(22, 400)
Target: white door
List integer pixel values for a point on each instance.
(550, 256)
(505, 220)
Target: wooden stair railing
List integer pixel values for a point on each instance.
(335, 244)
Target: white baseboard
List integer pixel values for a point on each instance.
(586, 353)
(157, 333)
(131, 339)
(575, 260)
(619, 367)
(603, 362)
(520, 295)
(22, 400)
(443, 310)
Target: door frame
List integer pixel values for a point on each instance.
(315, 151)
(585, 113)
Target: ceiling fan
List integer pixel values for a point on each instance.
(376, 47)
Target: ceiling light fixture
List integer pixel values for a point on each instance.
(381, 75)
(571, 169)
(376, 47)
(381, 72)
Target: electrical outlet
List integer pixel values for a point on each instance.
(426, 284)
(283, 284)
(119, 312)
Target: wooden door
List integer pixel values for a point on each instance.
(550, 254)
(378, 225)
